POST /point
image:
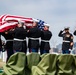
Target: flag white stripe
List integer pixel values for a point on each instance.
(7, 24)
(18, 19)
(3, 19)
(1, 16)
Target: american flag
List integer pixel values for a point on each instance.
(10, 21)
(41, 24)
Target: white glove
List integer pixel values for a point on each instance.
(70, 51)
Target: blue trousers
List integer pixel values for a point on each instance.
(44, 51)
(16, 51)
(20, 51)
(65, 51)
(34, 50)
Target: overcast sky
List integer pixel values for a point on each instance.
(58, 13)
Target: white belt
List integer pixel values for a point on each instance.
(45, 40)
(65, 41)
(34, 38)
(9, 40)
(24, 39)
(18, 39)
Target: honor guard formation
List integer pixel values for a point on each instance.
(34, 39)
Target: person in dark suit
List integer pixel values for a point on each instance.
(67, 44)
(34, 34)
(45, 38)
(19, 43)
(9, 43)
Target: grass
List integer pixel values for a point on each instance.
(1, 66)
(1, 63)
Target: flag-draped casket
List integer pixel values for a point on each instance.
(10, 21)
